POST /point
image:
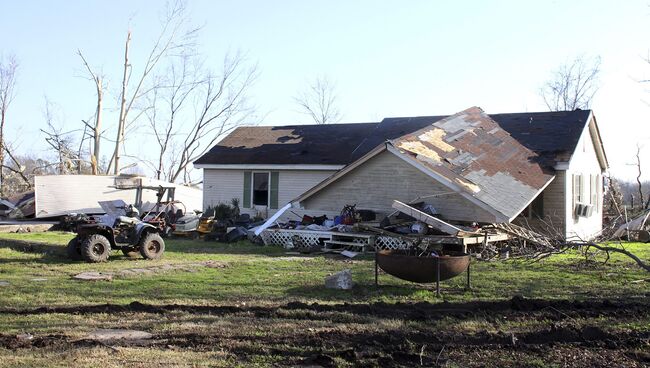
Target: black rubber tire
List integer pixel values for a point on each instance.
(152, 246)
(73, 249)
(195, 235)
(131, 252)
(96, 248)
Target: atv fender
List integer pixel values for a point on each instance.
(142, 228)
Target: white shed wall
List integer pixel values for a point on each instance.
(57, 195)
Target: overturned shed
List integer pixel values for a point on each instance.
(57, 195)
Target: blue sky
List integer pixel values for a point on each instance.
(388, 58)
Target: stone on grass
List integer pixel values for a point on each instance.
(118, 334)
(24, 337)
(4, 283)
(340, 280)
(93, 276)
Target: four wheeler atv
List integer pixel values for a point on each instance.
(95, 240)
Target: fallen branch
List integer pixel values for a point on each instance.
(608, 249)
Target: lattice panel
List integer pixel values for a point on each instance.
(286, 238)
(389, 242)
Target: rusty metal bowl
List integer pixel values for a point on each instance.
(422, 269)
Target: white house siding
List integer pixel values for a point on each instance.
(380, 180)
(585, 162)
(221, 185)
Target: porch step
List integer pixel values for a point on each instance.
(353, 235)
(344, 244)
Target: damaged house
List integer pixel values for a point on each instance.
(540, 169)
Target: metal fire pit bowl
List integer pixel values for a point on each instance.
(422, 269)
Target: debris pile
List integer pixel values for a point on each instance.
(415, 225)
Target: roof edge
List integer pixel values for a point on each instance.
(269, 167)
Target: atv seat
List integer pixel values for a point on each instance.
(125, 220)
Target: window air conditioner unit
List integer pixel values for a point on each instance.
(583, 210)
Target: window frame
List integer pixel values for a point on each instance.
(268, 189)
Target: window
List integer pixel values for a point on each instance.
(261, 189)
(578, 196)
(594, 190)
(578, 188)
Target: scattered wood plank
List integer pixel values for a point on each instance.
(426, 218)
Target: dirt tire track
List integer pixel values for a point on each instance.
(406, 311)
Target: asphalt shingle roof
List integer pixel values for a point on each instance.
(552, 135)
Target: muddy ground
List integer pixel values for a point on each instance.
(517, 332)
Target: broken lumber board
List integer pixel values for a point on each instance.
(426, 218)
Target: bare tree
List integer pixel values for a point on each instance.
(17, 178)
(319, 101)
(642, 202)
(218, 103)
(61, 143)
(573, 85)
(95, 128)
(8, 69)
(170, 39)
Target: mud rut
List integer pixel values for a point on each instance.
(402, 347)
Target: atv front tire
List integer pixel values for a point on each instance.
(74, 249)
(96, 248)
(152, 246)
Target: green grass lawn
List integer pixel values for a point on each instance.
(265, 328)
(267, 275)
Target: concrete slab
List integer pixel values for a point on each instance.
(93, 276)
(118, 334)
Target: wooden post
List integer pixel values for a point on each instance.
(469, 265)
(438, 277)
(376, 270)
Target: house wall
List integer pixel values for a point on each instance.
(584, 161)
(554, 216)
(380, 180)
(221, 185)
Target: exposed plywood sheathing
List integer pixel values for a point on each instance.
(471, 150)
(420, 149)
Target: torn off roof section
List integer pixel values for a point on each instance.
(471, 151)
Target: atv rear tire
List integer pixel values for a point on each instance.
(74, 249)
(96, 248)
(131, 252)
(152, 246)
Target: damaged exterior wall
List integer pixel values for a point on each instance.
(384, 178)
(554, 212)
